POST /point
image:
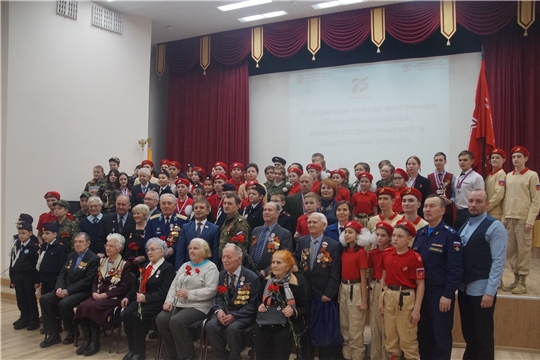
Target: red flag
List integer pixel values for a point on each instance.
(482, 134)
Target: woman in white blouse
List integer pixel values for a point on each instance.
(190, 298)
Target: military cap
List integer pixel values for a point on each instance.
(50, 226)
(199, 169)
(182, 181)
(339, 172)
(164, 161)
(407, 225)
(23, 225)
(295, 170)
(314, 167)
(229, 187)
(413, 192)
(147, 162)
(499, 152)
(238, 165)
(164, 172)
(85, 194)
(176, 164)
(386, 191)
(386, 226)
(222, 164)
(355, 225)
(62, 203)
(258, 188)
(219, 176)
(277, 159)
(26, 218)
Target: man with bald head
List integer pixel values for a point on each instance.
(294, 204)
(485, 242)
(120, 222)
(323, 272)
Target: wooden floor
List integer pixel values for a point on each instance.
(23, 344)
(533, 280)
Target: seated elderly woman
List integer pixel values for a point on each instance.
(110, 285)
(190, 298)
(274, 341)
(134, 249)
(154, 282)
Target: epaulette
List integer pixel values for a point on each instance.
(183, 217)
(285, 213)
(155, 216)
(452, 230)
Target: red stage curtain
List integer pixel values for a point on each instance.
(513, 77)
(231, 47)
(412, 23)
(208, 115)
(485, 17)
(286, 38)
(347, 30)
(182, 55)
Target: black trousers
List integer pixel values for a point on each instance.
(273, 343)
(232, 337)
(25, 293)
(54, 308)
(135, 328)
(477, 327)
(435, 327)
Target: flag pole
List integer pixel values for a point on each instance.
(483, 138)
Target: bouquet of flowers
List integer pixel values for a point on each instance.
(144, 275)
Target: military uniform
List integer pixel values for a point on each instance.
(159, 227)
(94, 183)
(51, 259)
(234, 227)
(388, 183)
(274, 189)
(391, 220)
(108, 196)
(441, 253)
(66, 231)
(495, 188)
(79, 216)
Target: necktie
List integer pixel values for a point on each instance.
(95, 221)
(167, 220)
(261, 241)
(313, 253)
(341, 228)
(232, 278)
(462, 174)
(121, 223)
(199, 229)
(143, 188)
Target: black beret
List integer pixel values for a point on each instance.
(259, 188)
(229, 187)
(277, 159)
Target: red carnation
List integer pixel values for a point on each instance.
(197, 271)
(222, 289)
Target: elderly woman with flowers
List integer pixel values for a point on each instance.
(143, 304)
(110, 286)
(190, 298)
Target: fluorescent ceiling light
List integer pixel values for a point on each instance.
(243, 4)
(262, 16)
(330, 4)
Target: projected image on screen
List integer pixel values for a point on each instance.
(379, 109)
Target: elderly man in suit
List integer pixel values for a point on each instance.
(268, 238)
(120, 222)
(139, 191)
(199, 228)
(324, 273)
(235, 309)
(74, 285)
(294, 204)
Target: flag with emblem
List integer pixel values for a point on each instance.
(501, 182)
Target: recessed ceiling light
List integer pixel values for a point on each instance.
(330, 4)
(262, 16)
(243, 4)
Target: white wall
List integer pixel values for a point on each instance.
(76, 95)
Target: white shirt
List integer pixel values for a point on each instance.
(464, 185)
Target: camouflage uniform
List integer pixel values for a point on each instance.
(79, 216)
(66, 231)
(382, 183)
(108, 196)
(234, 226)
(93, 182)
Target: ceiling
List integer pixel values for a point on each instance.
(195, 18)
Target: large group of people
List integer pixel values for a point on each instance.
(305, 259)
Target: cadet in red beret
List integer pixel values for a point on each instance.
(521, 206)
(496, 184)
(339, 177)
(315, 171)
(164, 164)
(50, 197)
(400, 179)
(294, 174)
(184, 204)
(216, 199)
(197, 177)
(385, 200)
(403, 291)
(220, 168)
(364, 202)
(237, 175)
(411, 201)
(383, 232)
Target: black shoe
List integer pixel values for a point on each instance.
(92, 348)
(17, 322)
(153, 335)
(70, 338)
(20, 326)
(82, 349)
(129, 355)
(138, 357)
(33, 327)
(51, 339)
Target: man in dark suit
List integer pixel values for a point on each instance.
(199, 228)
(120, 222)
(235, 309)
(138, 192)
(163, 182)
(268, 238)
(151, 199)
(324, 273)
(294, 204)
(92, 223)
(74, 285)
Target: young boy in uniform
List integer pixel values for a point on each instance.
(402, 286)
(52, 257)
(24, 278)
(495, 184)
(311, 204)
(385, 199)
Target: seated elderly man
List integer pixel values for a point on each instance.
(74, 285)
(235, 309)
(142, 187)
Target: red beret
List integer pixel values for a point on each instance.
(238, 165)
(499, 152)
(339, 172)
(520, 149)
(147, 162)
(53, 194)
(222, 164)
(164, 161)
(365, 174)
(199, 169)
(219, 176)
(182, 181)
(314, 167)
(355, 225)
(413, 192)
(386, 191)
(295, 170)
(402, 173)
(386, 226)
(251, 183)
(407, 225)
(176, 164)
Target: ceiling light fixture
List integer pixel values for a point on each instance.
(243, 4)
(262, 16)
(329, 4)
